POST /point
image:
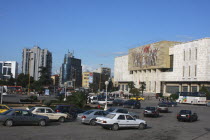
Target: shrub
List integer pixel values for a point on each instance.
(174, 96)
(33, 98)
(47, 102)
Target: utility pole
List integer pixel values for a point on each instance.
(100, 79)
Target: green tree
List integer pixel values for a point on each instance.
(142, 88)
(93, 87)
(135, 91)
(205, 90)
(22, 80)
(78, 98)
(45, 78)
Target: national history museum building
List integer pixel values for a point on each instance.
(166, 67)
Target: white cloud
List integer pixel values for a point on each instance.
(86, 68)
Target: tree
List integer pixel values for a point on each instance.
(78, 98)
(23, 80)
(131, 85)
(93, 87)
(135, 91)
(142, 88)
(45, 78)
(11, 81)
(205, 90)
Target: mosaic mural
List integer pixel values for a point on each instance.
(154, 55)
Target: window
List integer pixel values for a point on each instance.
(184, 55)
(183, 71)
(49, 111)
(131, 72)
(189, 70)
(40, 110)
(121, 117)
(196, 51)
(98, 113)
(195, 70)
(128, 117)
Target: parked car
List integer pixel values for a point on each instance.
(151, 111)
(93, 99)
(3, 108)
(137, 98)
(121, 110)
(120, 120)
(71, 110)
(163, 108)
(46, 111)
(103, 102)
(118, 102)
(187, 115)
(169, 103)
(132, 104)
(20, 116)
(89, 117)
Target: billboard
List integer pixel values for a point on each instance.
(151, 56)
(91, 78)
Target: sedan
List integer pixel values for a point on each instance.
(151, 111)
(120, 120)
(89, 117)
(20, 116)
(132, 104)
(118, 102)
(162, 108)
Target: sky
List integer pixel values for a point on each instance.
(97, 31)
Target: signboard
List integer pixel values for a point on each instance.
(47, 92)
(91, 78)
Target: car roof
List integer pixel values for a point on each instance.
(42, 107)
(19, 109)
(119, 113)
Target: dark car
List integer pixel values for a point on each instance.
(69, 109)
(187, 115)
(20, 116)
(118, 102)
(132, 104)
(151, 111)
(169, 103)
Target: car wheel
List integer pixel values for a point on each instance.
(9, 123)
(42, 123)
(61, 119)
(115, 127)
(141, 126)
(93, 122)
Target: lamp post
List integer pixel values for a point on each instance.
(106, 83)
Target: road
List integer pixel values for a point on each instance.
(165, 127)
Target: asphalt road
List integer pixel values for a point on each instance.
(165, 127)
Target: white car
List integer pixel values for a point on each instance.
(46, 111)
(120, 120)
(103, 102)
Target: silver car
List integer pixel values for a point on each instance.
(89, 117)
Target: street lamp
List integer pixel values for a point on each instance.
(106, 83)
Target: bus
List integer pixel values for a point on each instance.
(192, 98)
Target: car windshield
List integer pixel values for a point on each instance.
(110, 110)
(150, 108)
(32, 109)
(162, 105)
(110, 116)
(88, 112)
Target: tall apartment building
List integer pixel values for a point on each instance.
(8, 69)
(90, 77)
(33, 59)
(71, 72)
(105, 71)
(166, 66)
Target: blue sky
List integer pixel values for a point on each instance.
(97, 30)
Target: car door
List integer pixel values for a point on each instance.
(50, 114)
(121, 121)
(40, 111)
(17, 117)
(130, 121)
(28, 117)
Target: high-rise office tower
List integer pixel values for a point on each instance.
(8, 69)
(71, 72)
(33, 59)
